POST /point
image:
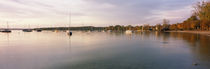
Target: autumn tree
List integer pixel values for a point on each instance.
(202, 10)
(173, 27)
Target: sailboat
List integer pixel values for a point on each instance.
(69, 32)
(7, 30)
(27, 30)
(38, 29)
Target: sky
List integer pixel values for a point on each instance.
(55, 13)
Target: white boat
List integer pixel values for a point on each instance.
(128, 31)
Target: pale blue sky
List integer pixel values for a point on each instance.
(43, 13)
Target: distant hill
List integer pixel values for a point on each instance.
(13, 28)
(73, 28)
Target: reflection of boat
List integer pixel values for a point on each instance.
(27, 30)
(6, 30)
(109, 30)
(55, 31)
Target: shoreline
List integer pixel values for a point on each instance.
(207, 33)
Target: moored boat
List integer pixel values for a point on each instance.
(128, 31)
(6, 31)
(27, 30)
(39, 30)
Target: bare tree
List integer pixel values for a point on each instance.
(165, 24)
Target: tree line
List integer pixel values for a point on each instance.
(199, 20)
(73, 28)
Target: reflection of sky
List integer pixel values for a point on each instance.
(20, 13)
(153, 50)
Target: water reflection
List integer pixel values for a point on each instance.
(104, 50)
(199, 45)
(5, 38)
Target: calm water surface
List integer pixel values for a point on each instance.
(103, 50)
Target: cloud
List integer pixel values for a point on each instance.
(94, 12)
(140, 11)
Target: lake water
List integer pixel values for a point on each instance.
(104, 50)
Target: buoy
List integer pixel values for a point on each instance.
(70, 33)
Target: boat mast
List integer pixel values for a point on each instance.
(7, 25)
(69, 19)
(29, 26)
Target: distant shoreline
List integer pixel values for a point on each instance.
(207, 33)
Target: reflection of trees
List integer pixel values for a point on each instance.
(116, 33)
(188, 37)
(147, 34)
(204, 48)
(166, 36)
(199, 42)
